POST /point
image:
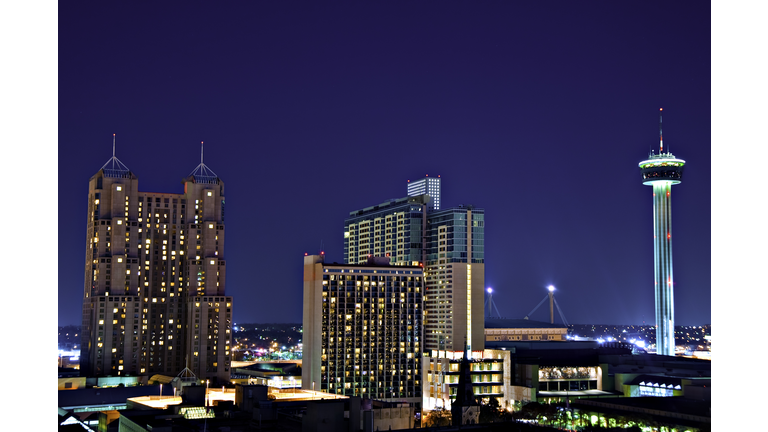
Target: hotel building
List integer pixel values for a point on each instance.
(450, 245)
(155, 278)
(362, 329)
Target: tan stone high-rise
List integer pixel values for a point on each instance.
(155, 278)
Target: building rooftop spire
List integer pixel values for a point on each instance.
(202, 173)
(113, 167)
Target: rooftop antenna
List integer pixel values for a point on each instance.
(113, 167)
(202, 173)
(661, 137)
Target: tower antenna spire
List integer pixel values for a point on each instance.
(202, 173)
(661, 137)
(113, 145)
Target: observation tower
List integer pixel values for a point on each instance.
(662, 171)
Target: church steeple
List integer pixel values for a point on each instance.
(465, 409)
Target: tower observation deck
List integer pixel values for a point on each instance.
(662, 171)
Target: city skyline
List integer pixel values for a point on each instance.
(312, 113)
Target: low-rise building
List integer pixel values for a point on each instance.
(523, 330)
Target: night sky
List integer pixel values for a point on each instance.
(537, 112)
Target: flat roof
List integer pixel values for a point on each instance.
(495, 323)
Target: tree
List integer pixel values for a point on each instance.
(438, 417)
(490, 411)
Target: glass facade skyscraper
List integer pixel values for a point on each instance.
(448, 243)
(455, 279)
(456, 235)
(393, 229)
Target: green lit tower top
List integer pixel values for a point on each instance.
(661, 171)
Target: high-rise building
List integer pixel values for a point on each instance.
(393, 229)
(455, 279)
(155, 278)
(450, 245)
(363, 329)
(661, 171)
(429, 186)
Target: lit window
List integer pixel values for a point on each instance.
(210, 193)
(119, 188)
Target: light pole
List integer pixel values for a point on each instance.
(551, 289)
(206, 394)
(293, 385)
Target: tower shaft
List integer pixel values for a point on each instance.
(663, 280)
(661, 171)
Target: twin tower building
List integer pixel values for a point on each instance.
(412, 281)
(155, 275)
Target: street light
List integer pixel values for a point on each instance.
(551, 289)
(206, 394)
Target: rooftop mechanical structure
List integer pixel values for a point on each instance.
(661, 171)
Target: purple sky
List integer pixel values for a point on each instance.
(538, 112)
